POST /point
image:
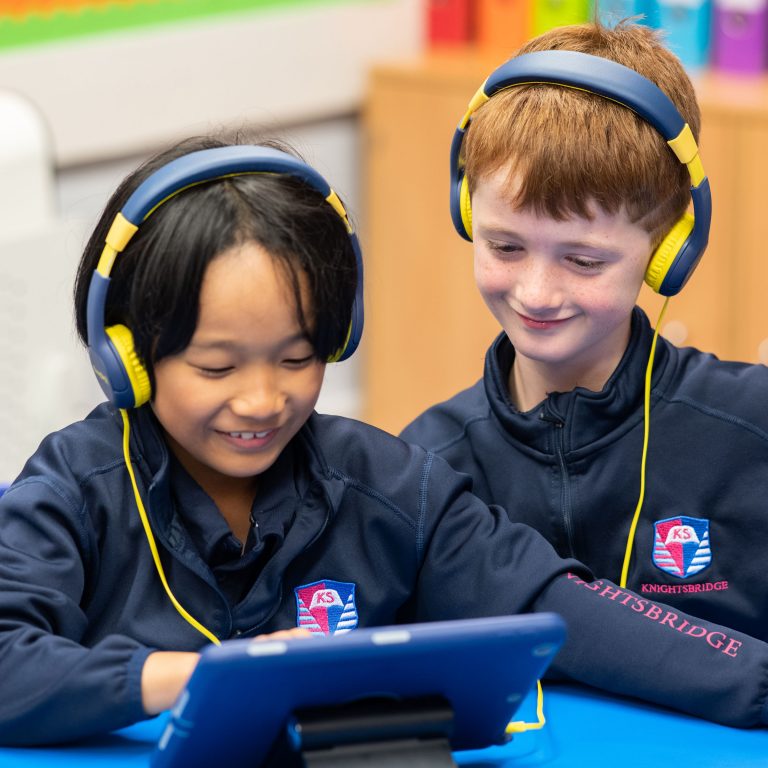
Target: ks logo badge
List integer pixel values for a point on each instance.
(326, 607)
(681, 546)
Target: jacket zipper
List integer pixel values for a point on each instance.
(278, 603)
(566, 511)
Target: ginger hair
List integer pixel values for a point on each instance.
(570, 148)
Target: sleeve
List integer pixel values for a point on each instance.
(426, 430)
(626, 644)
(478, 563)
(55, 687)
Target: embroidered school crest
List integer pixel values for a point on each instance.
(681, 546)
(326, 607)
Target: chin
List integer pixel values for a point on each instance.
(241, 470)
(541, 351)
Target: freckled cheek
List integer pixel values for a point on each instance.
(492, 278)
(604, 303)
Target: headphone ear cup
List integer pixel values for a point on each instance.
(465, 206)
(121, 339)
(668, 250)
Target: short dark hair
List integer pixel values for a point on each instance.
(155, 283)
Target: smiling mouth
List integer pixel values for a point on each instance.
(533, 322)
(249, 435)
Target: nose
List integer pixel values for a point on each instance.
(538, 289)
(258, 395)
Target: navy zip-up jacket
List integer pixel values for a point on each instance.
(570, 468)
(346, 507)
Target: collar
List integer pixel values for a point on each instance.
(296, 499)
(585, 417)
(271, 514)
(280, 487)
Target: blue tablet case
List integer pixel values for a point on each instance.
(243, 694)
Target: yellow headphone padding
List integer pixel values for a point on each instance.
(465, 205)
(668, 249)
(122, 340)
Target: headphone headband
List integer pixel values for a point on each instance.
(213, 164)
(673, 262)
(116, 365)
(603, 77)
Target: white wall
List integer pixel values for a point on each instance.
(114, 95)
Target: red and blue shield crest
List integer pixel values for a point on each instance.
(326, 607)
(681, 546)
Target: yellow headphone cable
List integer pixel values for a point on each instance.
(151, 539)
(646, 436)
(520, 726)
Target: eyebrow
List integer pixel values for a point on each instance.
(492, 231)
(227, 344)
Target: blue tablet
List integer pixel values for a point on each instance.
(244, 696)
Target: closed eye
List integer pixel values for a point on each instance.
(214, 372)
(589, 265)
(299, 362)
(502, 247)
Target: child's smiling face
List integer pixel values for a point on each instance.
(562, 290)
(249, 379)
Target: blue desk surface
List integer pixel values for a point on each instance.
(584, 728)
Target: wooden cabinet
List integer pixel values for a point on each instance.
(426, 326)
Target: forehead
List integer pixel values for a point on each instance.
(247, 292)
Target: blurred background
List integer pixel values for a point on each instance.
(369, 91)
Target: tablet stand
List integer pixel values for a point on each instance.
(375, 733)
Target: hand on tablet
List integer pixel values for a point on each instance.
(163, 677)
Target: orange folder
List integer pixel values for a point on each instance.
(503, 25)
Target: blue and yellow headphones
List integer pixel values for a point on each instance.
(121, 374)
(678, 254)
